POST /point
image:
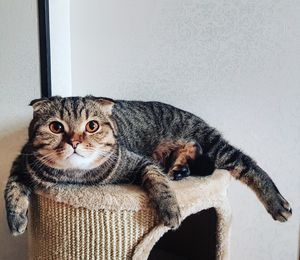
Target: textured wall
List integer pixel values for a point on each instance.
(19, 83)
(235, 63)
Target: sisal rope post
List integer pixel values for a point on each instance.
(117, 221)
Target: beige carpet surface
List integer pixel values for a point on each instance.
(117, 221)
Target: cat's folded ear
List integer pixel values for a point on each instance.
(38, 103)
(106, 104)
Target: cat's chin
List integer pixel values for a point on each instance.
(76, 162)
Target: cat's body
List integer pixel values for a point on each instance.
(134, 143)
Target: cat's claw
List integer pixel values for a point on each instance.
(279, 208)
(17, 223)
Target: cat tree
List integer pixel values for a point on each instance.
(118, 222)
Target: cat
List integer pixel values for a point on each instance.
(98, 141)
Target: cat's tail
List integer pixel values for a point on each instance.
(245, 169)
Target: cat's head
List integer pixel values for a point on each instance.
(73, 132)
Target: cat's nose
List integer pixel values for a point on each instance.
(75, 144)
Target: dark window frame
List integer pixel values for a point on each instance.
(44, 43)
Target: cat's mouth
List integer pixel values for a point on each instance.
(75, 155)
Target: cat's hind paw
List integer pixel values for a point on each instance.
(179, 172)
(279, 208)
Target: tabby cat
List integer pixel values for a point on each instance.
(97, 141)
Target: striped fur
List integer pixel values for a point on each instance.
(123, 150)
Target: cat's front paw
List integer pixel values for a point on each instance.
(279, 208)
(170, 213)
(17, 222)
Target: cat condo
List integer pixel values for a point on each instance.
(117, 222)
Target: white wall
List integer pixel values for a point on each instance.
(19, 83)
(59, 19)
(235, 63)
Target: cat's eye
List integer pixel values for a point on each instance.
(92, 126)
(56, 127)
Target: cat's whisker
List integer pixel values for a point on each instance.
(28, 153)
(42, 160)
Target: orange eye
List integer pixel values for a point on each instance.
(92, 126)
(56, 127)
